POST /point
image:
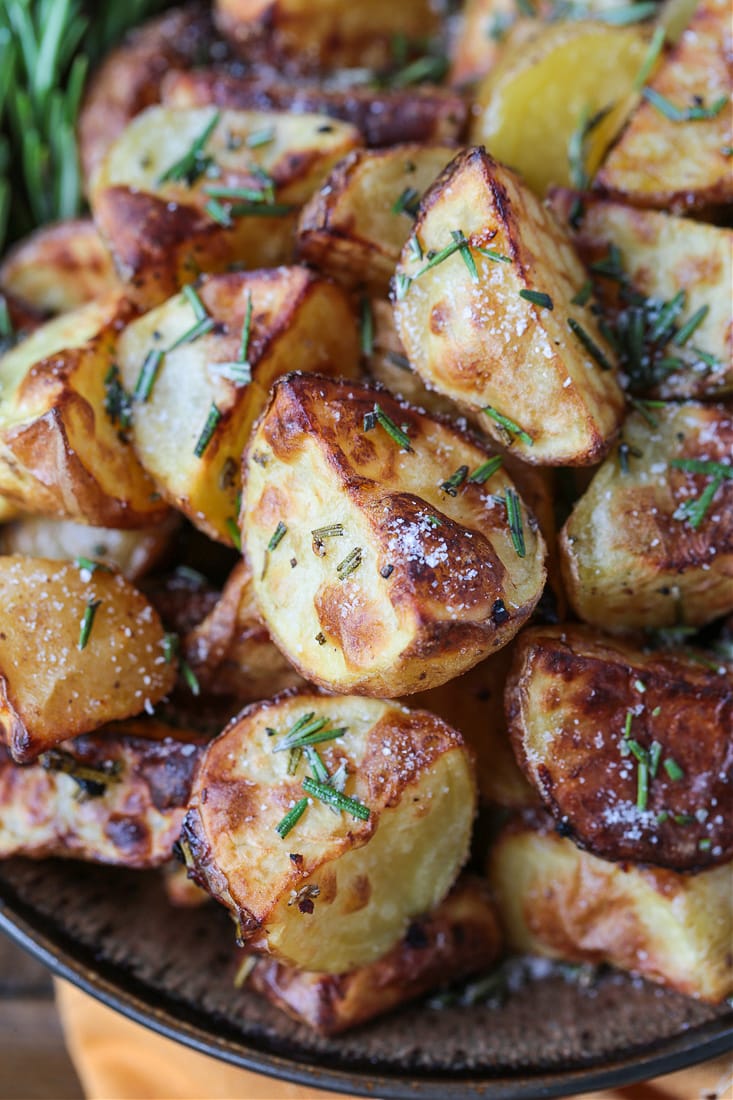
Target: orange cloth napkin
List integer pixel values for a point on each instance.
(119, 1060)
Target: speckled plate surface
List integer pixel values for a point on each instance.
(114, 934)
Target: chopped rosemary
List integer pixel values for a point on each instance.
(350, 564)
(189, 677)
(329, 531)
(611, 265)
(260, 137)
(407, 203)
(218, 213)
(207, 432)
(415, 247)
(87, 622)
(452, 484)
(681, 337)
(631, 13)
(577, 153)
(332, 797)
(486, 470)
(292, 817)
(234, 533)
(490, 254)
(380, 417)
(673, 770)
(320, 771)
(650, 58)
(643, 407)
(508, 425)
(537, 298)
(117, 401)
(398, 360)
(642, 784)
(695, 113)
(514, 519)
(402, 284)
(148, 374)
(435, 258)
(199, 329)
(434, 521)
(194, 162)
(260, 208)
(431, 67)
(589, 344)
(465, 251)
(243, 194)
(366, 324)
(198, 307)
(88, 565)
(667, 315)
(705, 844)
(585, 292)
(277, 536)
(703, 466)
(695, 509)
(308, 730)
(655, 755)
(294, 758)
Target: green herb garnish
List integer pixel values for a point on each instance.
(681, 337)
(194, 161)
(234, 533)
(509, 426)
(350, 564)
(538, 298)
(589, 344)
(88, 565)
(366, 325)
(292, 817)
(260, 137)
(117, 401)
(407, 203)
(386, 422)
(673, 770)
(148, 374)
(87, 622)
(277, 536)
(207, 432)
(697, 112)
(325, 793)
(452, 484)
(514, 519)
(486, 470)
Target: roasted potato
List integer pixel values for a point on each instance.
(180, 192)
(569, 83)
(115, 796)
(631, 752)
(77, 649)
(129, 78)
(355, 227)
(59, 267)
(650, 543)
(473, 704)
(319, 890)
(459, 938)
(659, 256)
(231, 652)
(64, 450)
(323, 34)
(398, 568)
(558, 901)
(674, 153)
(133, 553)
(491, 322)
(180, 891)
(383, 116)
(190, 425)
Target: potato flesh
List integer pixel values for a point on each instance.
(627, 561)
(480, 343)
(52, 690)
(557, 901)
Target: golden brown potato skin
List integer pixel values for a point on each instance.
(423, 606)
(571, 696)
(59, 267)
(231, 651)
(480, 341)
(50, 688)
(383, 116)
(131, 818)
(680, 165)
(459, 938)
(129, 78)
(629, 558)
(557, 900)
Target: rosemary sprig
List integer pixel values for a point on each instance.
(326, 793)
(207, 432)
(194, 162)
(350, 563)
(292, 817)
(589, 344)
(695, 113)
(366, 326)
(514, 519)
(87, 622)
(379, 416)
(308, 730)
(486, 470)
(509, 426)
(407, 202)
(452, 484)
(537, 297)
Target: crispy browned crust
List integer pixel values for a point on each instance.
(129, 78)
(569, 697)
(459, 938)
(382, 116)
(23, 317)
(133, 821)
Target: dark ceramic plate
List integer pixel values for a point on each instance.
(114, 934)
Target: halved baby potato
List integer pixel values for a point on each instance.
(650, 542)
(59, 267)
(485, 303)
(195, 397)
(660, 255)
(558, 901)
(64, 448)
(389, 550)
(231, 652)
(319, 889)
(115, 796)
(78, 648)
(459, 938)
(185, 191)
(631, 752)
(355, 226)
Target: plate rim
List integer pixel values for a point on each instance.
(25, 926)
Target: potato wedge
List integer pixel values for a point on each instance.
(667, 161)
(631, 752)
(355, 227)
(553, 86)
(231, 652)
(473, 704)
(116, 796)
(133, 553)
(152, 196)
(459, 938)
(190, 426)
(323, 34)
(59, 267)
(660, 255)
(76, 651)
(129, 77)
(501, 331)
(647, 545)
(63, 443)
(406, 571)
(329, 891)
(558, 901)
(383, 116)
